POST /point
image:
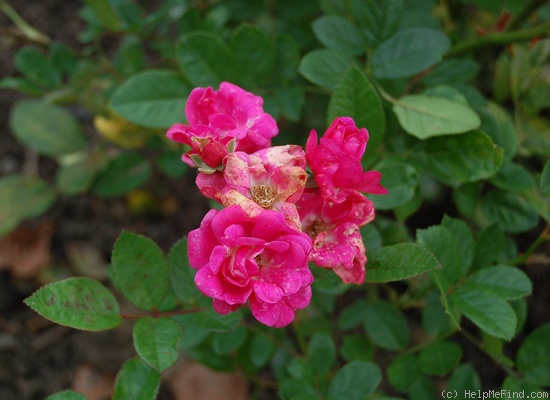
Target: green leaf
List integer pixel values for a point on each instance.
(156, 341)
(66, 395)
(408, 52)
(336, 32)
(533, 357)
(464, 377)
(498, 124)
(377, 20)
(22, 197)
(403, 371)
(469, 157)
(445, 246)
(356, 97)
(37, 67)
(439, 358)
(511, 211)
(287, 58)
(210, 320)
(253, 53)
(104, 11)
(181, 273)
(357, 347)
(126, 172)
(545, 179)
(63, 58)
(261, 350)
(352, 315)
(435, 320)
(422, 388)
(321, 352)
(355, 381)
(296, 389)
(490, 243)
(386, 326)
(301, 368)
(137, 381)
(80, 303)
(488, 311)
(462, 232)
(138, 270)
(513, 177)
(510, 283)
(325, 67)
(204, 59)
(401, 180)
(452, 71)
(224, 343)
(467, 197)
(76, 172)
(20, 85)
(399, 261)
(154, 98)
(371, 236)
(49, 129)
(426, 116)
(130, 57)
(288, 101)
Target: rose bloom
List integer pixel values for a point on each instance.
(220, 122)
(334, 230)
(271, 179)
(260, 260)
(336, 161)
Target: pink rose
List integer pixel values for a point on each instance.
(336, 160)
(334, 230)
(259, 260)
(220, 122)
(271, 179)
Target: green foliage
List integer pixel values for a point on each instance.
(399, 261)
(66, 395)
(354, 381)
(122, 174)
(136, 380)
(154, 98)
(80, 303)
(49, 129)
(22, 197)
(459, 135)
(139, 271)
(427, 116)
(156, 341)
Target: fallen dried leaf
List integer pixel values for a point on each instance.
(27, 250)
(92, 384)
(193, 381)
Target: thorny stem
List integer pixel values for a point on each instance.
(157, 314)
(500, 38)
(544, 236)
(30, 32)
(520, 17)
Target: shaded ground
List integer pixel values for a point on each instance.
(38, 358)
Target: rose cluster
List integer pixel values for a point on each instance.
(284, 206)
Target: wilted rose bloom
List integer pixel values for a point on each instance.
(336, 161)
(334, 230)
(222, 121)
(270, 179)
(259, 260)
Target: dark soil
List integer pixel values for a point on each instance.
(38, 358)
